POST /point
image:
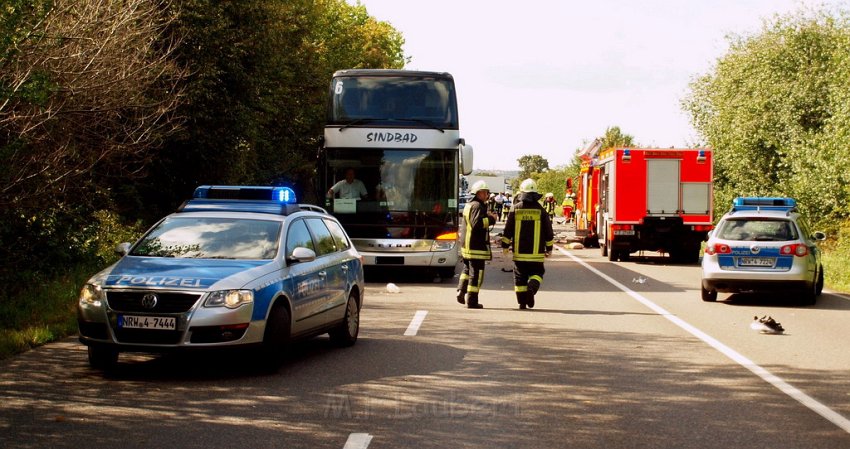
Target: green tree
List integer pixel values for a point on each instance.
(614, 137)
(554, 180)
(530, 164)
(775, 109)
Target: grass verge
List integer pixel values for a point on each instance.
(41, 313)
(836, 271)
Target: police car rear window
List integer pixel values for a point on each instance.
(211, 238)
(757, 230)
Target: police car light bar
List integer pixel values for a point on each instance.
(764, 203)
(258, 199)
(281, 195)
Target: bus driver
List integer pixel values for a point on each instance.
(348, 187)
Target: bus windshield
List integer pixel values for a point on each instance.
(407, 195)
(404, 101)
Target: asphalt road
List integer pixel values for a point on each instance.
(614, 355)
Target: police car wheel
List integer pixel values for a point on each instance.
(276, 337)
(102, 358)
(346, 333)
(708, 295)
(810, 294)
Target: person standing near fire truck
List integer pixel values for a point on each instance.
(476, 245)
(529, 230)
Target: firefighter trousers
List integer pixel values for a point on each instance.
(471, 278)
(526, 273)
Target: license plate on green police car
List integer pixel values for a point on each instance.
(147, 322)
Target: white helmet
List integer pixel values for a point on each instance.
(528, 185)
(550, 195)
(479, 185)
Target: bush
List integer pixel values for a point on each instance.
(41, 306)
(836, 253)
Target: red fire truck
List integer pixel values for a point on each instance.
(636, 199)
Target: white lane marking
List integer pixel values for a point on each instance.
(810, 402)
(358, 441)
(417, 320)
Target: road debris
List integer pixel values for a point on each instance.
(766, 325)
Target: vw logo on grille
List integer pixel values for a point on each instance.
(149, 300)
(755, 249)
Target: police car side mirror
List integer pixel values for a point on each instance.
(818, 235)
(302, 254)
(122, 249)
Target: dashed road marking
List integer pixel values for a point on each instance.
(417, 320)
(358, 441)
(808, 401)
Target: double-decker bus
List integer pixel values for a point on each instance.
(398, 131)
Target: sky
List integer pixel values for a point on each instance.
(544, 77)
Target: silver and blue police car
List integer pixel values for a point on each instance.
(763, 244)
(234, 266)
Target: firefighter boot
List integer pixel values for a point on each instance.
(533, 287)
(461, 291)
(520, 298)
(472, 301)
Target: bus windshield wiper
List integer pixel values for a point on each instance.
(419, 120)
(360, 121)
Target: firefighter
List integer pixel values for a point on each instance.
(549, 205)
(476, 245)
(568, 205)
(529, 230)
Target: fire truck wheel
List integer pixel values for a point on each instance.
(604, 250)
(613, 255)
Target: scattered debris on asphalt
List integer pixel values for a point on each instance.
(766, 325)
(392, 288)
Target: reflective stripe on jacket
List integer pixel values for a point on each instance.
(476, 238)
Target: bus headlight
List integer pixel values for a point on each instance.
(229, 298)
(442, 245)
(444, 242)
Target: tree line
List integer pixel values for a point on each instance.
(111, 113)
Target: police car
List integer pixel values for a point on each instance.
(763, 244)
(233, 266)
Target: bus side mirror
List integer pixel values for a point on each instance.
(465, 159)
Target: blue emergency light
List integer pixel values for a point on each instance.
(763, 203)
(262, 199)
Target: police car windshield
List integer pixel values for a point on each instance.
(757, 230)
(211, 238)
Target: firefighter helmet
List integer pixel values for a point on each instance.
(550, 195)
(529, 185)
(479, 185)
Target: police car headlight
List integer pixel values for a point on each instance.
(92, 295)
(229, 298)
